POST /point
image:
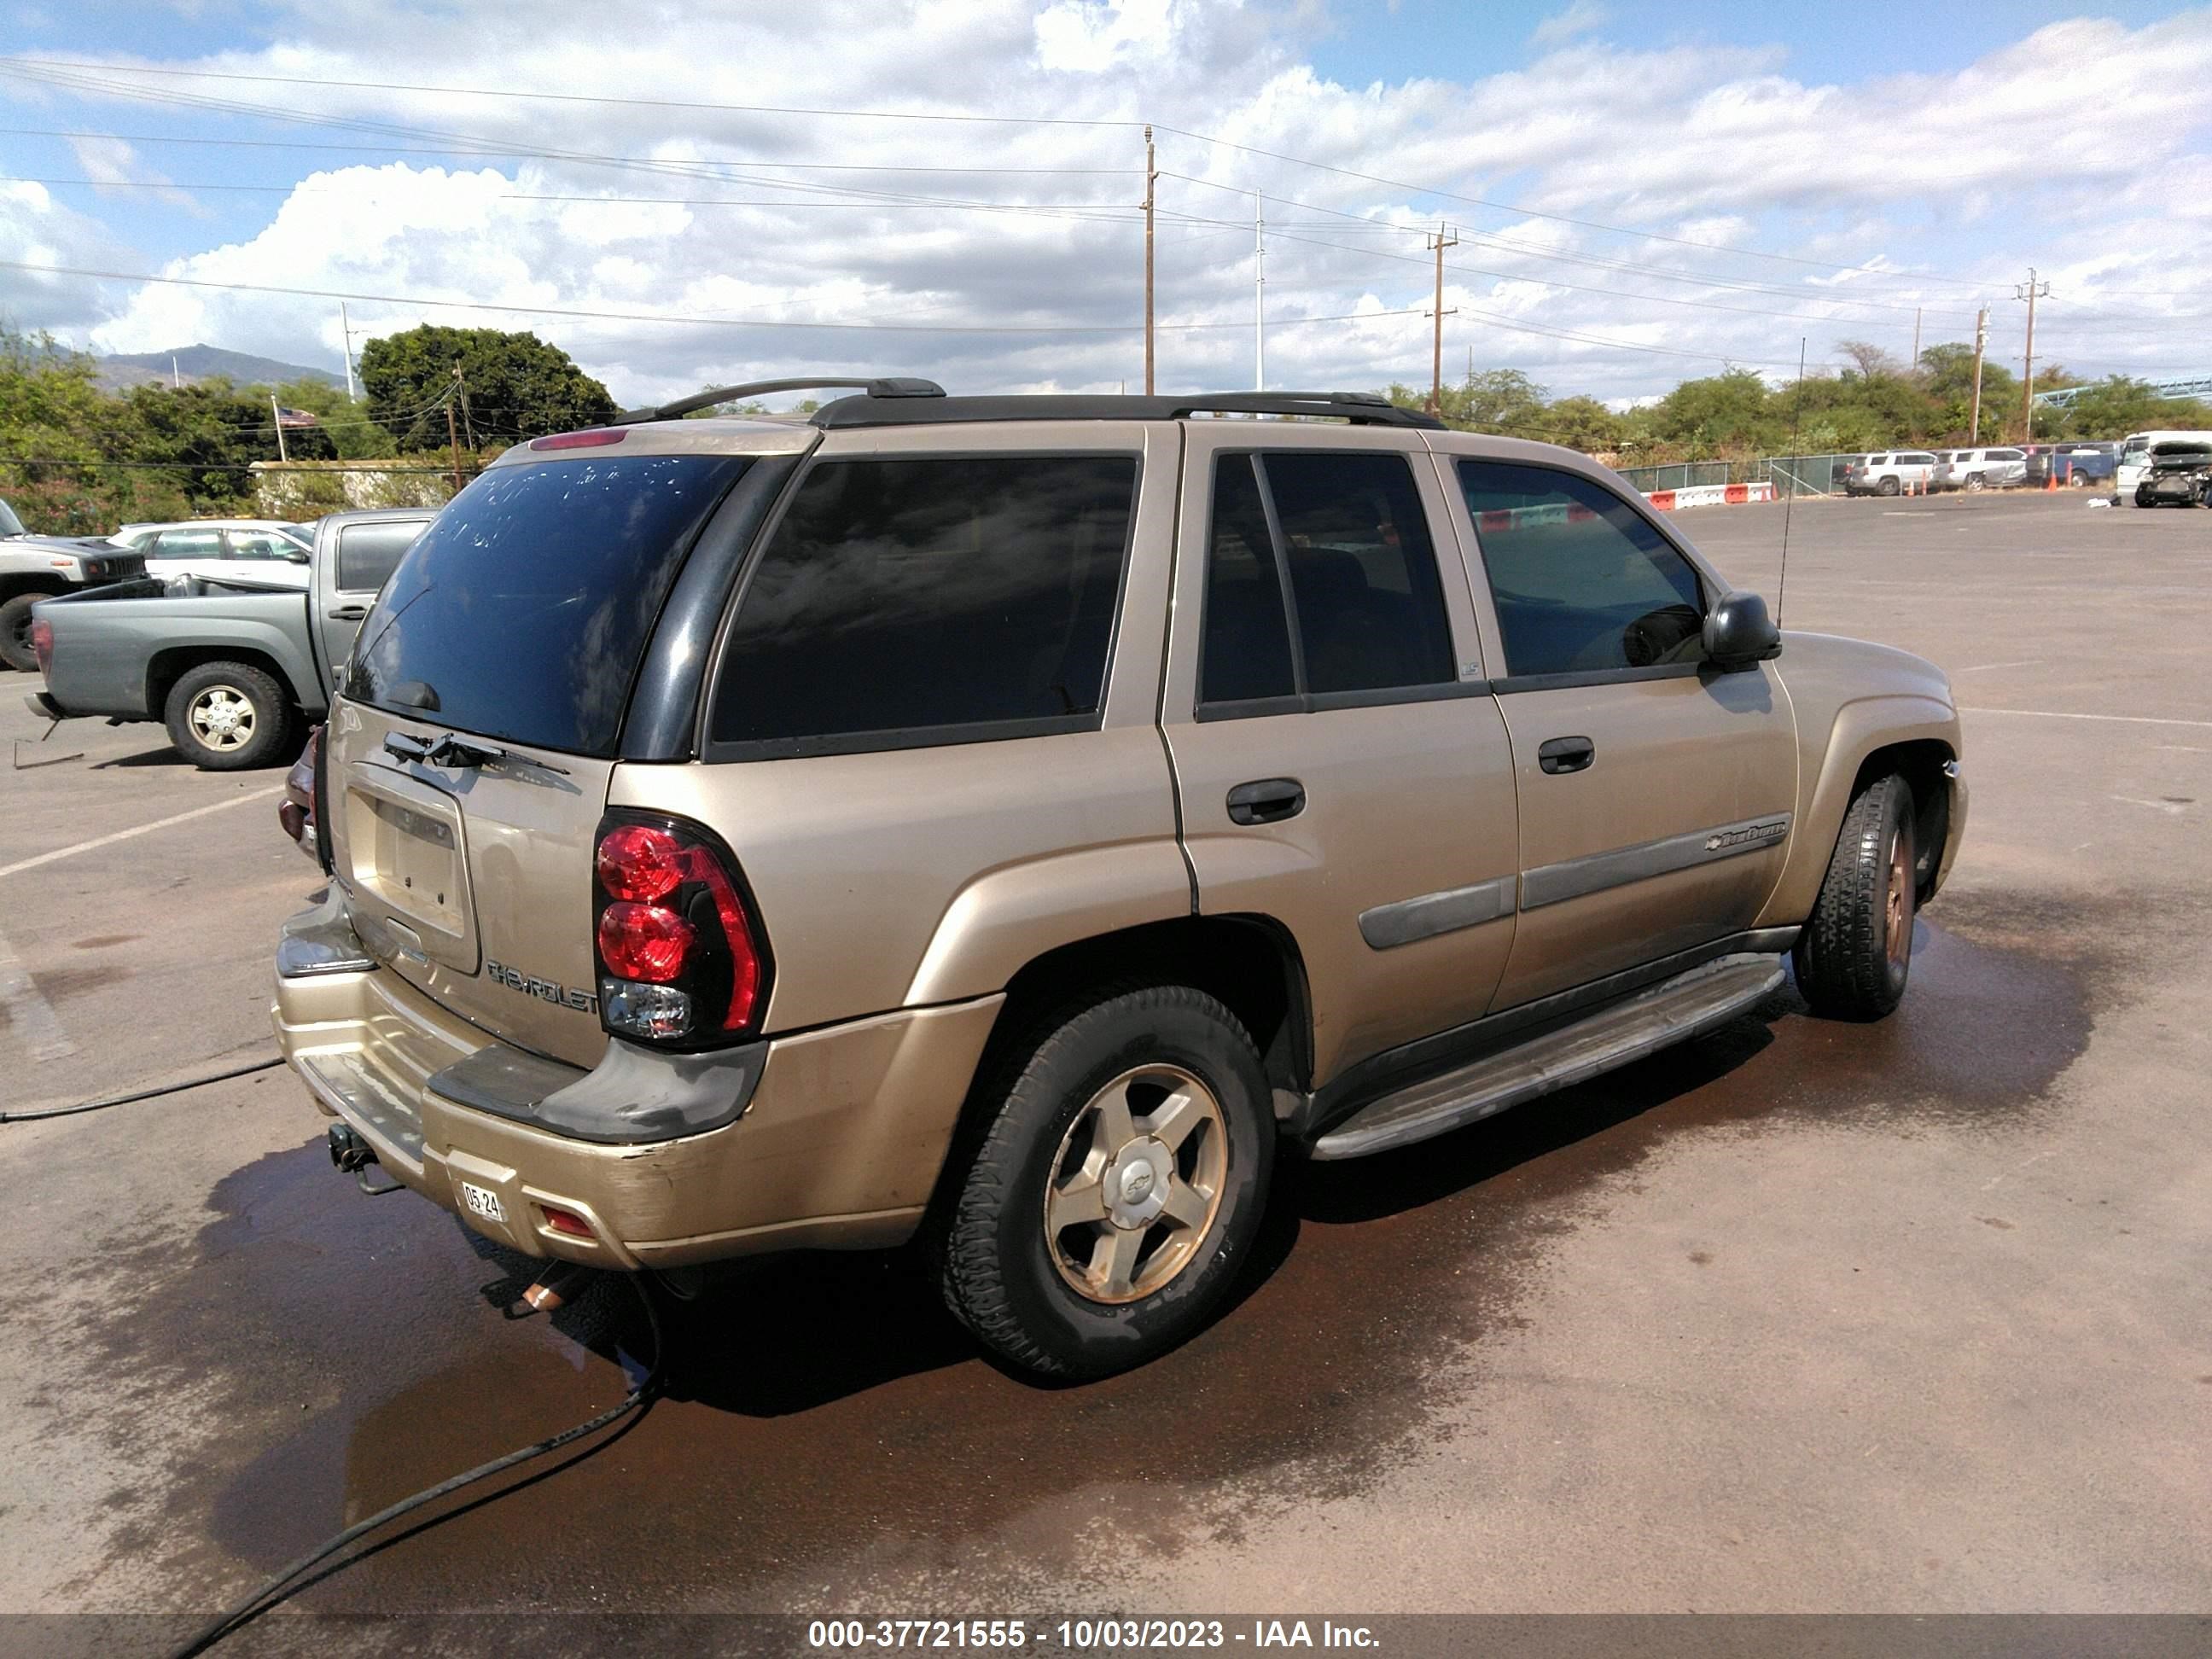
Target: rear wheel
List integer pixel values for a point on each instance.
(1888, 487)
(1856, 952)
(1118, 1188)
(228, 717)
(1975, 480)
(15, 632)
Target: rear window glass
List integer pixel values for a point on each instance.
(904, 602)
(369, 553)
(524, 610)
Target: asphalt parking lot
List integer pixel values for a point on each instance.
(1801, 1317)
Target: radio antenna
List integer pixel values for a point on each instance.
(1789, 501)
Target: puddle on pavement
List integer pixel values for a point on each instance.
(824, 1407)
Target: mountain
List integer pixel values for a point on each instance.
(198, 362)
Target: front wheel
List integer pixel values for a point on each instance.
(1855, 954)
(1118, 1188)
(228, 717)
(15, 632)
(2143, 496)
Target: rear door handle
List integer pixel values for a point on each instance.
(1267, 800)
(346, 612)
(1566, 755)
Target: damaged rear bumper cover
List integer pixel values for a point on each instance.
(816, 1141)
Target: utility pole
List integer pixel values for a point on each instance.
(1916, 339)
(277, 416)
(345, 328)
(2027, 365)
(461, 391)
(1259, 291)
(454, 434)
(1981, 339)
(1152, 189)
(1438, 243)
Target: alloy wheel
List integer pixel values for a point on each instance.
(1136, 1184)
(222, 719)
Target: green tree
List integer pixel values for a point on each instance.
(1584, 423)
(1728, 411)
(516, 386)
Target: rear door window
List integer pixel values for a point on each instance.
(524, 610)
(1583, 583)
(1366, 611)
(906, 602)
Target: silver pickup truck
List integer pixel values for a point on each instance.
(230, 668)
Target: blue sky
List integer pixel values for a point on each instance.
(1642, 192)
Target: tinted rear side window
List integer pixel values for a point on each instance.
(905, 602)
(369, 553)
(524, 610)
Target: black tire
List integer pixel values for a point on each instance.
(200, 701)
(1888, 487)
(1856, 953)
(1002, 1274)
(15, 632)
(2143, 496)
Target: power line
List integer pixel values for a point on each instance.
(656, 317)
(1535, 251)
(58, 71)
(492, 147)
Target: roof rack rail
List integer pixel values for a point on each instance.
(1356, 407)
(892, 387)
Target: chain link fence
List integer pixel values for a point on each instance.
(1806, 475)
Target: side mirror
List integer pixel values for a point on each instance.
(1739, 634)
(296, 556)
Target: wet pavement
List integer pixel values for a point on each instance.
(1559, 1357)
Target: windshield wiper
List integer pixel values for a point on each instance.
(452, 752)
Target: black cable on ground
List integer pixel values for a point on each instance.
(281, 1585)
(143, 1094)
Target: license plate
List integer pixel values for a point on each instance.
(481, 1201)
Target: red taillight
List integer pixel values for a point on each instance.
(682, 959)
(639, 862)
(644, 942)
(42, 643)
(592, 439)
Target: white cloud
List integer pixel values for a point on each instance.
(1580, 18)
(2082, 140)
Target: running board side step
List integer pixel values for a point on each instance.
(1641, 1025)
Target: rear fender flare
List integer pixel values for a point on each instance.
(1008, 917)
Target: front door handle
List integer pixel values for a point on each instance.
(1267, 800)
(347, 612)
(1566, 755)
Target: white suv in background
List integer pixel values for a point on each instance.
(1980, 468)
(266, 551)
(1890, 473)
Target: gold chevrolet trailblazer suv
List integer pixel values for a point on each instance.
(1011, 822)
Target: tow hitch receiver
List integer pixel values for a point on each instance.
(348, 1151)
(353, 1155)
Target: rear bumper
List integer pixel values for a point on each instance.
(838, 1144)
